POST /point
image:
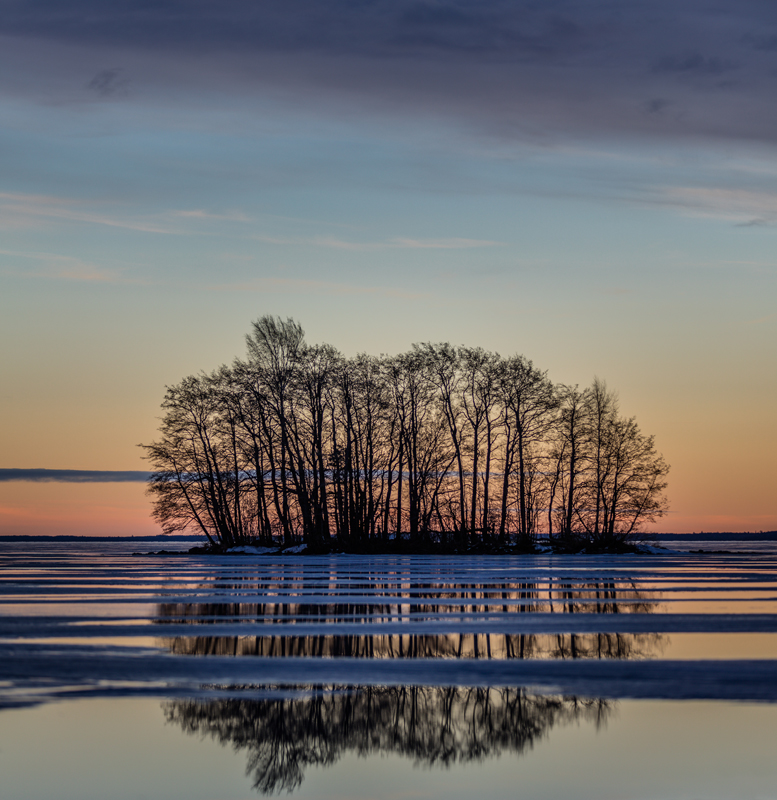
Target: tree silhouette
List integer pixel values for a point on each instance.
(440, 446)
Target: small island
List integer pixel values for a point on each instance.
(442, 449)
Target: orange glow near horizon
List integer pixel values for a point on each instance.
(75, 509)
(122, 509)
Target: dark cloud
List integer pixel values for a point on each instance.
(694, 63)
(759, 42)
(377, 26)
(73, 475)
(109, 82)
(753, 223)
(513, 67)
(657, 105)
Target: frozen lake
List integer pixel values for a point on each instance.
(128, 675)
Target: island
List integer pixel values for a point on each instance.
(445, 449)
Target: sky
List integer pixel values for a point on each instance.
(590, 184)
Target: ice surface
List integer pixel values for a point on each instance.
(94, 619)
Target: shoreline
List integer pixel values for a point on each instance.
(482, 550)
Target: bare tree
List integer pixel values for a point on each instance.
(569, 456)
(446, 444)
(530, 402)
(196, 478)
(274, 351)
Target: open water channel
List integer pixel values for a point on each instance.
(184, 676)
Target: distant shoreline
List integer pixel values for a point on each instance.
(745, 536)
(42, 537)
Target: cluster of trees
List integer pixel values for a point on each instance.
(450, 445)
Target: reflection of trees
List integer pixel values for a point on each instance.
(417, 603)
(453, 645)
(433, 725)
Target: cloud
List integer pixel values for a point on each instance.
(762, 320)
(656, 105)
(694, 63)
(24, 209)
(325, 287)
(109, 83)
(752, 223)
(385, 27)
(405, 244)
(19, 209)
(515, 69)
(27, 210)
(760, 42)
(744, 207)
(88, 273)
(456, 243)
(207, 216)
(64, 268)
(73, 475)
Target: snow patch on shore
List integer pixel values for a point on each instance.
(254, 551)
(300, 548)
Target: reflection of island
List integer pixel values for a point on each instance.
(421, 602)
(433, 725)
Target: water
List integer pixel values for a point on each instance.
(752, 543)
(201, 677)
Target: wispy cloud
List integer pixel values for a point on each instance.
(60, 267)
(753, 223)
(405, 244)
(17, 210)
(326, 287)
(87, 273)
(27, 210)
(762, 320)
(445, 244)
(615, 291)
(279, 240)
(207, 216)
(73, 475)
(396, 243)
(744, 207)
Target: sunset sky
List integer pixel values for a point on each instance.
(591, 184)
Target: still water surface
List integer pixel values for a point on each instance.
(233, 677)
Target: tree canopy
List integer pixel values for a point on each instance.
(440, 446)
